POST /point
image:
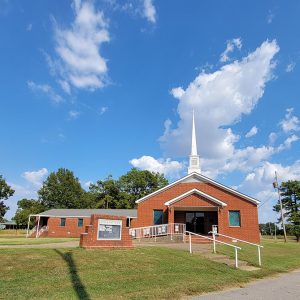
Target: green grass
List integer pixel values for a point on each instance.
(277, 256)
(141, 273)
(7, 241)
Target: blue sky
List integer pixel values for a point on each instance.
(101, 86)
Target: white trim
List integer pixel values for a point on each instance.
(203, 178)
(196, 191)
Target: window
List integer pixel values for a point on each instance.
(63, 222)
(109, 229)
(80, 222)
(157, 217)
(234, 218)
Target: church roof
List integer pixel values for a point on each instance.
(84, 213)
(200, 177)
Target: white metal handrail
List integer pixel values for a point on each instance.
(155, 231)
(236, 248)
(242, 241)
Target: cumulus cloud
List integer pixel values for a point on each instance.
(231, 45)
(253, 131)
(219, 100)
(45, 89)
(259, 184)
(35, 177)
(290, 122)
(167, 166)
(80, 63)
(149, 11)
(272, 137)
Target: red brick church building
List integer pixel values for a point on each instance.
(194, 200)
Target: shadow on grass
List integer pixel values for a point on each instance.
(78, 286)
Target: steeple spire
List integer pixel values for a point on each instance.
(194, 165)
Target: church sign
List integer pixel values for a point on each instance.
(109, 229)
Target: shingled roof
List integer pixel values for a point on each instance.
(86, 213)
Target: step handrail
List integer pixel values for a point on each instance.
(242, 241)
(236, 248)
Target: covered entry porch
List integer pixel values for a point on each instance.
(197, 219)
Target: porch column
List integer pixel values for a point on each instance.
(171, 214)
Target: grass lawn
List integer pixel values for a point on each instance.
(142, 273)
(6, 241)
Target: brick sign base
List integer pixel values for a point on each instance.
(90, 239)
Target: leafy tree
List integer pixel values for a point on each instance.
(139, 183)
(62, 190)
(5, 192)
(269, 228)
(27, 207)
(290, 193)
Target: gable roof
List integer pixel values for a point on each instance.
(195, 191)
(203, 178)
(86, 213)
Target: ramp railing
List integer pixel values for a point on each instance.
(236, 248)
(154, 231)
(234, 239)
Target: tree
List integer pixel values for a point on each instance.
(269, 228)
(139, 183)
(62, 190)
(27, 207)
(290, 193)
(5, 192)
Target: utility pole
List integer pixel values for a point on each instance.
(275, 185)
(275, 230)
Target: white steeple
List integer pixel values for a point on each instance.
(194, 165)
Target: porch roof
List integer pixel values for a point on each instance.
(195, 191)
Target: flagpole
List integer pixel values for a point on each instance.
(281, 208)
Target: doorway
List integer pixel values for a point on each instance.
(195, 222)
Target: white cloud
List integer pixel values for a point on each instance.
(290, 122)
(103, 110)
(65, 86)
(272, 137)
(167, 166)
(220, 99)
(253, 131)
(45, 89)
(35, 177)
(73, 114)
(259, 184)
(80, 62)
(290, 67)
(149, 11)
(288, 142)
(231, 45)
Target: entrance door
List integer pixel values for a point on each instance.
(195, 222)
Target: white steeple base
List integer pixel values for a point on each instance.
(194, 165)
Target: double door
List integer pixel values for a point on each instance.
(195, 222)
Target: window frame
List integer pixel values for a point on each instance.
(240, 219)
(63, 224)
(80, 219)
(162, 216)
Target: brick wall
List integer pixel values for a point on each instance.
(71, 228)
(88, 239)
(249, 229)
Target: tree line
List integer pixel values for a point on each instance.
(62, 189)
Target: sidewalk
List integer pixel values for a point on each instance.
(282, 287)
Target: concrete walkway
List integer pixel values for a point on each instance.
(282, 287)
